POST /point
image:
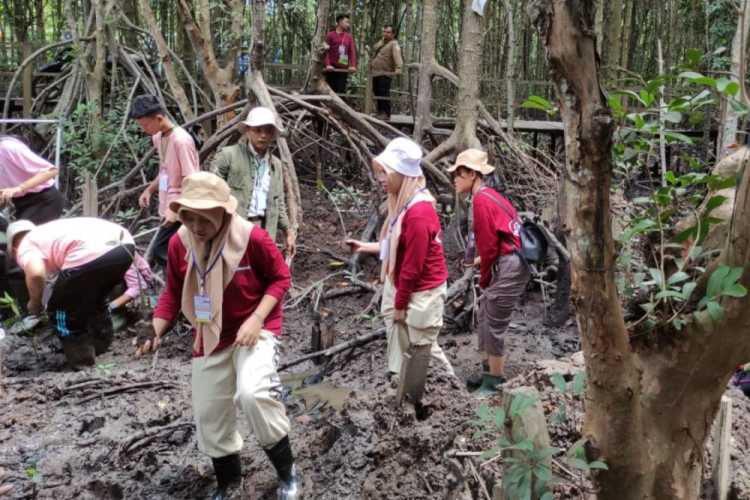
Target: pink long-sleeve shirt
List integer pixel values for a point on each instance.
(178, 158)
(137, 277)
(19, 163)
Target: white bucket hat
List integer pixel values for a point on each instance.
(16, 228)
(257, 117)
(403, 156)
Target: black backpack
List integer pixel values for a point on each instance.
(533, 242)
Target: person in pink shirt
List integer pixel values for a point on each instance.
(137, 279)
(27, 181)
(71, 265)
(341, 58)
(178, 158)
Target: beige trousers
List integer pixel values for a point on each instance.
(424, 319)
(244, 378)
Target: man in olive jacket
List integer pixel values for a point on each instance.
(255, 176)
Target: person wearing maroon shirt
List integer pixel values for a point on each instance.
(341, 57)
(228, 278)
(503, 275)
(411, 250)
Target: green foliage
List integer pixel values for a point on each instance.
(665, 283)
(528, 471)
(8, 302)
(540, 103)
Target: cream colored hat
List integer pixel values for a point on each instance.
(473, 159)
(204, 191)
(261, 116)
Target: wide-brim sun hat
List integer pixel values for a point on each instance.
(473, 159)
(260, 116)
(204, 191)
(402, 155)
(16, 228)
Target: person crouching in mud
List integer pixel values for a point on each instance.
(411, 250)
(228, 279)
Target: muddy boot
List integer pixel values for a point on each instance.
(283, 460)
(79, 351)
(101, 331)
(474, 380)
(228, 478)
(490, 385)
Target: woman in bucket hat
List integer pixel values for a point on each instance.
(228, 279)
(413, 269)
(502, 273)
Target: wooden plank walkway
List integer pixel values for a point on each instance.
(519, 125)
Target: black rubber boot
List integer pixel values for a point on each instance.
(79, 351)
(228, 477)
(283, 460)
(475, 380)
(101, 331)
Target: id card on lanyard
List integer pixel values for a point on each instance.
(201, 301)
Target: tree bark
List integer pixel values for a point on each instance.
(423, 119)
(649, 406)
(730, 117)
(256, 84)
(166, 58)
(219, 78)
(315, 82)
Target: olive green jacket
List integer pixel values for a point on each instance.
(236, 165)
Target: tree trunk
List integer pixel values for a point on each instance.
(257, 86)
(166, 58)
(423, 119)
(730, 117)
(649, 406)
(315, 83)
(510, 79)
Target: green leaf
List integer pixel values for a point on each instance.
(598, 464)
(537, 102)
(559, 382)
(543, 473)
(727, 86)
(656, 275)
(520, 404)
(671, 294)
(616, 104)
(737, 291)
(525, 445)
(672, 117)
(547, 496)
(641, 227)
(715, 310)
(715, 281)
(678, 277)
(734, 274)
(678, 137)
(500, 418)
(578, 463)
(579, 383)
(715, 202)
(687, 289)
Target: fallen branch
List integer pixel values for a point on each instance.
(128, 388)
(327, 353)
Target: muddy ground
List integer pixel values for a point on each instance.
(123, 429)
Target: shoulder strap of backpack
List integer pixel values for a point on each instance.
(499, 204)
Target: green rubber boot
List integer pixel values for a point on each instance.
(490, 385)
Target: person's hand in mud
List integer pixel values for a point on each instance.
(362, 246)
(399, 315)
(249, 332)
(152, 344)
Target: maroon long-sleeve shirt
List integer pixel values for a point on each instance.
(262, 271)
(335, 40)
(420, 262)
(496, 230)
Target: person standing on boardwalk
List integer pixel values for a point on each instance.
(178, 158)
(386, 63)
(341, 57)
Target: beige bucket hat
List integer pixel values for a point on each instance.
(473, 159)
(204, 191)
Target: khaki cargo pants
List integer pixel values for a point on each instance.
(424, 319)
(244, 378)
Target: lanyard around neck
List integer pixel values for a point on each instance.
(203, 274)
(404, 209)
